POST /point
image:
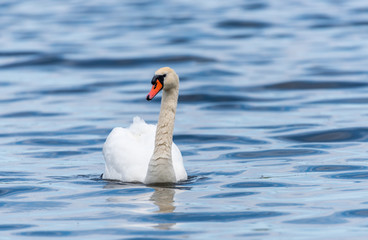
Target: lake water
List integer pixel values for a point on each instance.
(272, 118)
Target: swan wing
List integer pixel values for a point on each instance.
(127, 151)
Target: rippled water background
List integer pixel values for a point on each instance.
(272, 118)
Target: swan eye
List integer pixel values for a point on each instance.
(164, 75)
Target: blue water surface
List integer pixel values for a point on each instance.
(272, 118)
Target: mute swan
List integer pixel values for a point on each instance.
(143, 152)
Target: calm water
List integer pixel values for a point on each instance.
(272, 118)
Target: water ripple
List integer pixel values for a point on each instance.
(359, 23)
(361, 100)
(16, 99)
(336, 218)
(49, 233)
(360, 10)
(79, 130)
(289, 127)
(330, 72)
(12, 174)
(4, 84)
(155, 235)
(211, 73)
(55, 60)
(252, 6)
(64, 91)
(279, 204)
(57, 154)
(313, 85)
(315, 16)
(208, 216)
(202, 138)
(243, 107)
(223, 173)
(318, 220)
(16, 226)
(18, 53)
(30, 114)
(360, 213)
(274, 153)
(243, 24)
(256, 185)
(202, 98)
(59, 142)
(352, 175)
(329, 168)
(32, 205)
(230, 195)
(109, 192)
(357, 134)
(17, 190)
(15, 180)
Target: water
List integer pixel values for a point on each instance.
(272, 118)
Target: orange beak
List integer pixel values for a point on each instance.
(156, 88)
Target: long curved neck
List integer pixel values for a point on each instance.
(160, 168)
(165, 125)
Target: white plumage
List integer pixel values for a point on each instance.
(128, 152)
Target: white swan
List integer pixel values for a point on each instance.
(143, 152)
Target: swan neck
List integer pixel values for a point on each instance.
(160, 168)
(165, 124)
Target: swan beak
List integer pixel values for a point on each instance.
(156, 88)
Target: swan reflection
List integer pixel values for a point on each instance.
(163, 198)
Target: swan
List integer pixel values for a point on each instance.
(144, 152)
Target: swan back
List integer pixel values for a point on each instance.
(128, 151)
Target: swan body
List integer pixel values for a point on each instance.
(144, 152)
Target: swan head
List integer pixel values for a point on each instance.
(165, 78)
